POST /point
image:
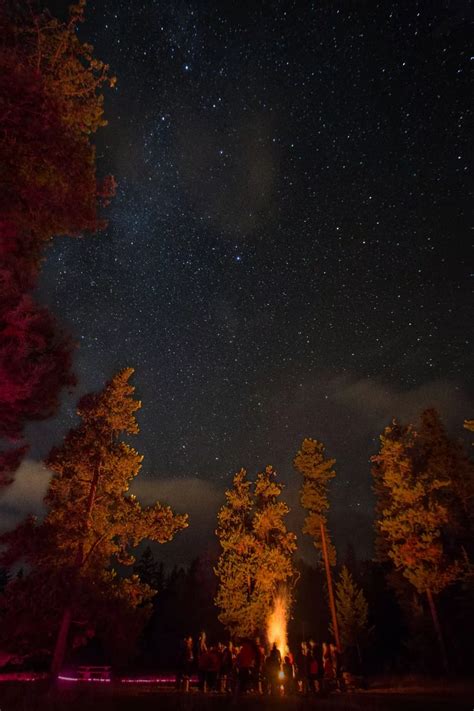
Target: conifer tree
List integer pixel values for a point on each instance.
(421, 492)
(256, 557)
(51, 102)
(91, 524)
(237, 563)
(275, 568)
(352, 611)
(149, 571)
(51, 84)
(445, 456)
(317, 472)
(406, 595)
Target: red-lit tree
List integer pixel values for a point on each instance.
(51, 103)
(50, 85)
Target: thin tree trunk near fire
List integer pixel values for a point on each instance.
(332, 604)
(437, 626)
(61, 640)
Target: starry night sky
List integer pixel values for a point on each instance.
(287, 253)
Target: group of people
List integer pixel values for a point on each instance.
(250, 667)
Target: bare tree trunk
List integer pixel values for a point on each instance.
(437, 626)
(332, 604)
(61, 640)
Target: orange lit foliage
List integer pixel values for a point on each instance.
(256, 558)
(50, 85)
(352, 611)
(90, 526)
(317, 472)
(50, 104)
(422, 489)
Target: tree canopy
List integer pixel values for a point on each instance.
(317, 471)
(91, 526)
(51, 104)
(352, 610)
(256, 558)
(423, 483)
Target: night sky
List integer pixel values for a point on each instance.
(288, 251)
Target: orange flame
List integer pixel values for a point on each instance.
(277, 625)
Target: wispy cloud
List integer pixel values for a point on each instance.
(25, 495)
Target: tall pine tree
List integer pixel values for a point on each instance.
(256, 557)
(150, 571)
(51, 102)
(423, 484)
(317, 472)
(91, 525)
(237, 562)
(275, 568)
(352, 612)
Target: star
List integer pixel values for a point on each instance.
(341, 196)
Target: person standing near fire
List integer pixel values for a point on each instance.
(273, 668)
(246, 662)
(201, 658)
(260, 665)
(185, 664)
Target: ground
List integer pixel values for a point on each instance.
(35, 697)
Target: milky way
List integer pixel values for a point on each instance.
(287, 252)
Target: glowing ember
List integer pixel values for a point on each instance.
(277, 625)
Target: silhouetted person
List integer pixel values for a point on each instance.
(246, 660)
(273, 668)
(185, 664)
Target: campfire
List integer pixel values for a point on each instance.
(277, 625)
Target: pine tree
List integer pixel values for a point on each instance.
(406, 596)
(237, 563)
(256, 557)
(416, 480)
(51, 96)
(149, 571)
(445, 456)
(352, 611)
(275, 568)
(317, 472)
(51, 85)
(91, 524)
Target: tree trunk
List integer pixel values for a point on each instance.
(437, 626)
(61, 640)
(332, 605)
